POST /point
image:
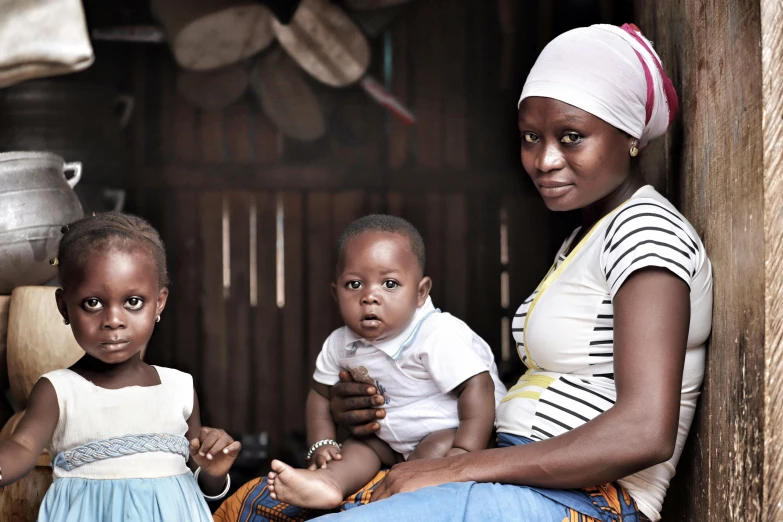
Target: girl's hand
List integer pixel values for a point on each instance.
(214, 451)
(324, 454)
(417, 474)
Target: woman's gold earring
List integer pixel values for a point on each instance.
(634, 150)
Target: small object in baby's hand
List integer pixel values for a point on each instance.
(361, 374)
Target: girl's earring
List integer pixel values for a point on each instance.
(66, 322)
(634, 150)
(157, 318)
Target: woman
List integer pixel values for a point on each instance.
(614, 336)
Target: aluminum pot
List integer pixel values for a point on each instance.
(36, 200)
(74, 119)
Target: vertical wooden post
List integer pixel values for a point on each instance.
(727, 158)
(772, 127)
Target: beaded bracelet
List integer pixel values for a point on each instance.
(321, 443)
(216, 497)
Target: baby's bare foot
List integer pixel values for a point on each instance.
(304, 488)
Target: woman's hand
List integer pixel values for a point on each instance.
(417, 474)
(214, 451)
(354, 406)
(324, 454)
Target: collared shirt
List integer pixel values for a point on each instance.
(415, 371)
(393, 347)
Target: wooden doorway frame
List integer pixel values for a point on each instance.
(772, 128)
(722, 164)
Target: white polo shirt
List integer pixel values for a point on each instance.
(415, 371)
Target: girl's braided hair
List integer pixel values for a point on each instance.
(110, 229)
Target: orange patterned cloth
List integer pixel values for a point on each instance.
(252, 503)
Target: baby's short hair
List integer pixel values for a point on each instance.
(384, 223)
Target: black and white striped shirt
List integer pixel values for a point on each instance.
(570, 351)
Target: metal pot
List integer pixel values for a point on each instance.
(36, 200)
(74, 119)
(98, 198)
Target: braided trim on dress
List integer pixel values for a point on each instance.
(120, 447)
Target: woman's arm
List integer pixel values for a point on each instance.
(19, 454)
(354, 406)
(651, 320)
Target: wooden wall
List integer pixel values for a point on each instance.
(203, 177)
(724, 168)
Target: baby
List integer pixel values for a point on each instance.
(438, 377)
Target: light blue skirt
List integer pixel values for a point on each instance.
(168, 499)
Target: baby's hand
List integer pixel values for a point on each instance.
(323, 455)
(214, 451)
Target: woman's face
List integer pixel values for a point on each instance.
(574, 158)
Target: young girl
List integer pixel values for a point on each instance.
(117, 428)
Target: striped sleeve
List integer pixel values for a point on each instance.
(646, 234)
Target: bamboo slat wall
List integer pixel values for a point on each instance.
(253, 360)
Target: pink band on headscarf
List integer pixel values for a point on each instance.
(671, 95)
(648, 106)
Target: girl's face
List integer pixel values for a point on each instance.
(111, 301)
(574, 158)
(379, 285)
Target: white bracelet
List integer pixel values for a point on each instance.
(216, 497)
(322, 443)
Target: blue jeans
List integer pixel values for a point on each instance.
(470, 501)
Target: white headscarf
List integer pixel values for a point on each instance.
(612, 73)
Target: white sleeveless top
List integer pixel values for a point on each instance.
(89, 413)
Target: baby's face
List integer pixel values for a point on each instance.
(378, 285)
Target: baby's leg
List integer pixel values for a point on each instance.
(325, 488)
(385, 453)
(434, 445)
